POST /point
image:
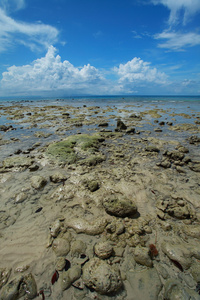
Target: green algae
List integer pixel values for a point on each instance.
(76, 148)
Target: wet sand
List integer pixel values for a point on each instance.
(112, 212)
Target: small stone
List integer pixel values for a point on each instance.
(70, 276)
(103, 249)
(19, 198)
(61, 247)
(93, 185)
(55, 228)
(58, 177)
(142, 256)
(38, 182)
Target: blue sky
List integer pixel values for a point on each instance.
(99, 47)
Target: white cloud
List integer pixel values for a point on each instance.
(12, 5)
(34, 36)
(49, 73)
(137, 71)
(180, 9)
(178, 41)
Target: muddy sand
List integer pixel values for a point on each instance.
(99, 203)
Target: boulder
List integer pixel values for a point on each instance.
(100, 276)
(119, 207)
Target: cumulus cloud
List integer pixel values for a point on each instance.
(178, 41)
(180, 10)
(137, 70)
(32, 35)
(49, 73)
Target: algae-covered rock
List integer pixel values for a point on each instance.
(74, 148)
(119, 207)
(17, 161)
(102, 277)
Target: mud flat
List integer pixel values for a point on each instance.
(99, 203)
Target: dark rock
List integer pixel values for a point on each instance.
(93, 185)
(194, 139)
(121, 125)
(103, 124)
(152, 149)
(162, 123)
(130, 131)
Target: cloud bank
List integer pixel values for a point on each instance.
(49, 74)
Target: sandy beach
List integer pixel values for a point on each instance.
(99, 201)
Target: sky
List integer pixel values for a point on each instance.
(59, 48)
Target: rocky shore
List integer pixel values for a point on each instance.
(99, 203)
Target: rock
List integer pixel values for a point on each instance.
(192, 230)
(61, 246)
(19, 198)
(136, 117)
(12, 291)
(164, 163)
(158, 130)
(121, 125)
(77, 248)
(76, 148)
(152, 149)
(174, 155)
(4, 276)
(93, 227)
(33, 168)
(178, 252)
(17, 161)
(162, 123)
(103, 249)
(144, 285)
(175, 290)
(38, 182)
(58, 177)
(70, 276)
(55, 228)
(101, 277)
(130, 130)
(103, 124)
(119, 207)
(6, 128)
(194, 139)
(60, 263)
(30, 286)
(195, 271)
(93, 185)
(142, 256)
(195, 167)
